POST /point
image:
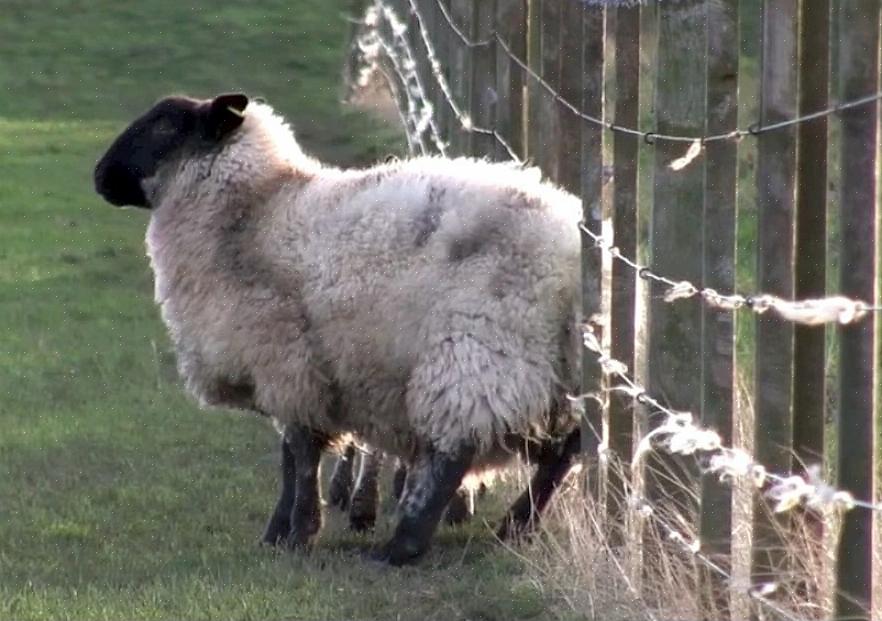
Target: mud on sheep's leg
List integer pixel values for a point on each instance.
(340, 488)
(366, 497)
(279, 526)
(432, 480)
(554, 459)
(306, 518)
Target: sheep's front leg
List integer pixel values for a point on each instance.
(555, 459)
(366, 497)
(306, 518)
(279, 526)
(459, 511)
(340, 488)
(431, 482)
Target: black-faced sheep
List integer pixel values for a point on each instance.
(428, 306)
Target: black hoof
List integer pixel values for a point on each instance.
(395, 554)
(457, 511)
(362, 522)
(276, 532)
(338, 496)
(513, 530)
(299, 544)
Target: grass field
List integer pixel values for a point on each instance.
(118, 498)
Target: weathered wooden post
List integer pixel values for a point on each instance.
(441, 37)
(550, 115)
(511, 27)
(482, 96)
(718, 339)
(674, 339)
(809, 357)
(534, 89)
(569, 144)
(624, 280)
(858, 426)
(460, 72)
(776, 173)
(592, 216)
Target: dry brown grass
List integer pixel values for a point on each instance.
(652, 575)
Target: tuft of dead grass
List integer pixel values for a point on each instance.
(659, 571)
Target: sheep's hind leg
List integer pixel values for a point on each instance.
(459, 511)
(306, 518)
(279, 526)
(340, 488)
(366, 497)
(431, 482)
(555, 459)
(399, 478)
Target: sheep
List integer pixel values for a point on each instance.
(429, 306)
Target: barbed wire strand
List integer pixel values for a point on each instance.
(419, 114)
(808, 312)
(464, 119)
(681, 435)
(757, 593)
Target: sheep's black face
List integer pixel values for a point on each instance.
(164, 131)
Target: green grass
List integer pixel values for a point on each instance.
(118, 498)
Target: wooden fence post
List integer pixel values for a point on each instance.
(534, 89)
(674, 339)
(810, 255)
(858, 76)
(809, 357)
(569, 146)
(624, 281)
(549, 119)
(718, 344)
(460, 73)
(440, 36)
(776, 168)
(511, 25)
(592, 215)
(482, 108)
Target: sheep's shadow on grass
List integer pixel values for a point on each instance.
(463, 544)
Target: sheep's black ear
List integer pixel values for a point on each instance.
(225, 113)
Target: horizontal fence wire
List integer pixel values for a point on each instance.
(835, 309)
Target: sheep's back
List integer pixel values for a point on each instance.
(402, 261)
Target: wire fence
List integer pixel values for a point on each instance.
(676, 432)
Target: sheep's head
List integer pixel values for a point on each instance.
(172, 126)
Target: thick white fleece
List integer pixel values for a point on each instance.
(430, 301)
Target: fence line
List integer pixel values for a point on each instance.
(685, 436)
(677, 433)
(812, 312)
